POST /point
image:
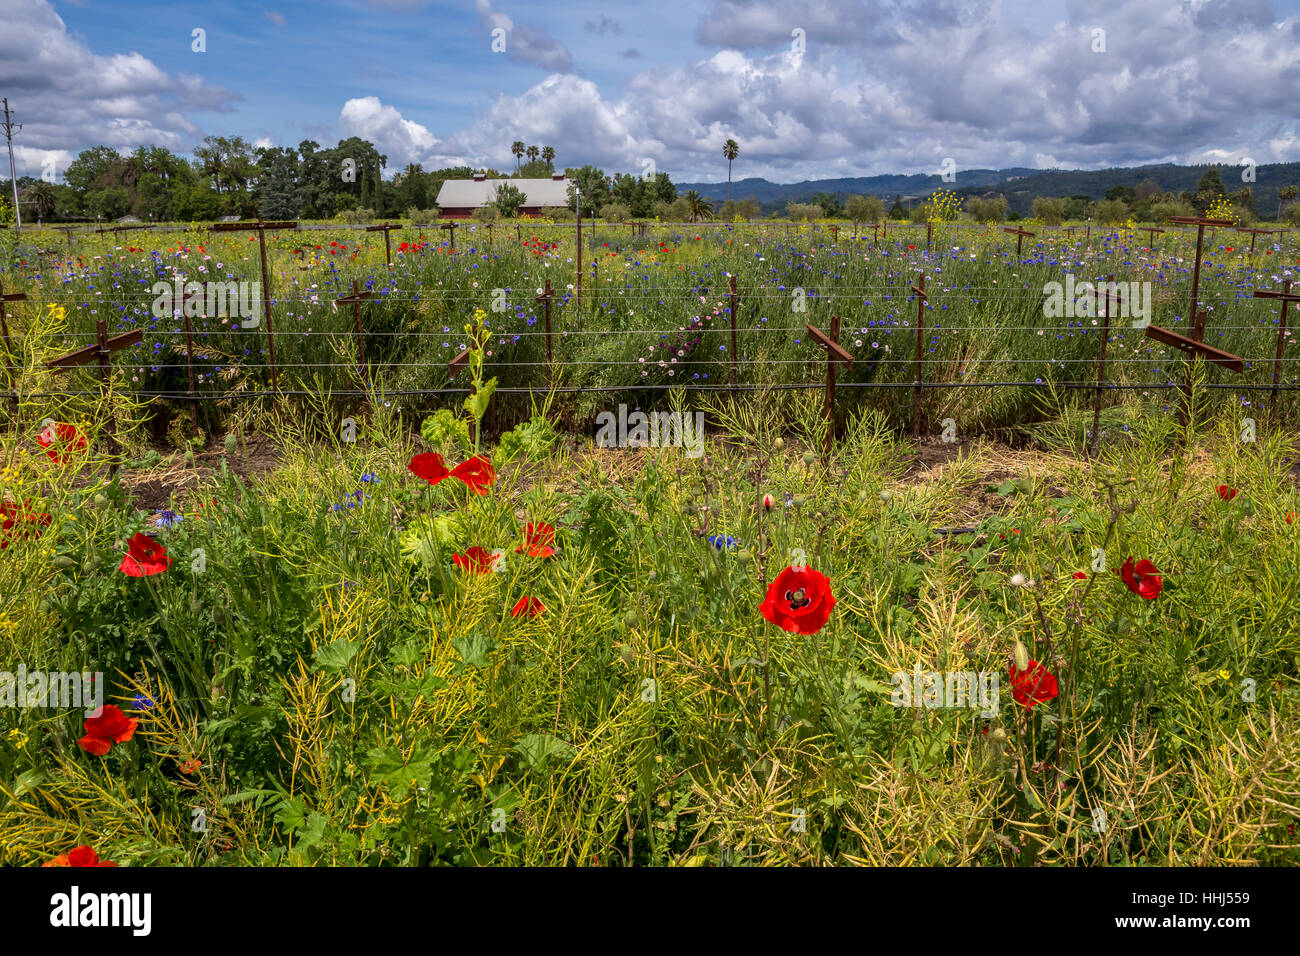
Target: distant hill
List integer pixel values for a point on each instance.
(1020, 185)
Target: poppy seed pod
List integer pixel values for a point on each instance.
(625, 652)
(231, 443)
(809, 458)
(629, 619)
(1021, 656)
(779, 443)
(799, 501)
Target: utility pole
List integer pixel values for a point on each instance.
(10, 126)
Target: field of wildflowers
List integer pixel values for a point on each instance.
(436, 641)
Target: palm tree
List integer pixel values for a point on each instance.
(532, 154)
(730, 149)
(698, 207)
(1285, 195)
(517, 150)
(548, 154)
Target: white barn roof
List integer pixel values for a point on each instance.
(457, 193)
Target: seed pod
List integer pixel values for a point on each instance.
(99, 503)
(232, 443)
(1022, 657)
(629, 619)
(809, 458)
(799, 501)
(743, 556)
(63, 561)
(779, 443)
(625, 652)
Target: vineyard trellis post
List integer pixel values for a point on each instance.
(1200, 224)
(188, 296)
(4, 330)
(1253, 234)
(920, 344)
(450, 227)
(386, 228)
(1287, 297)
(733, 333)
(545, 298)
(1110, 296)
(355, 300)
(102, 352)
(1151, 233)
(261, 227)
(835, 355)
(1020, 234)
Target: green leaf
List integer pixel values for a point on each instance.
(336, 656)
(536, 749)
(474, 649)
(477, 403)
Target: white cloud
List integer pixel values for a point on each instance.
(68, 98)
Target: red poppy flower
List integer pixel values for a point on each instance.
(1033, 685)
(429, 466)
(13, 518)
(81, 856)
(60, 433)
(190, 766)
(1290, 517)
(531, 606)
(477, 473)
(144, 557)
(477, 560)
(110, 727)
(1143, 579)
(1081, 575)
(538, 538)
(799, 601)
(1226, 493)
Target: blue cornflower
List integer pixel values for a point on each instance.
(167, 519)
(722, 541)
(370, 478)
(141, 702)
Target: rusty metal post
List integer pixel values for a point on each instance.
(1287, 297)
(920, 344)
(733, 335)
(4, 331)
(545, 299)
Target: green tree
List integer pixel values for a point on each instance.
(517, 149)
(862, 209)
(594, 186)
(697, 206)
(508, 199)
(1049, 209)
(897, 211)
(548, 156)
(1285, 195)
(730, 149)
(278, 194)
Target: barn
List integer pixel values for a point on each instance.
(459, 198)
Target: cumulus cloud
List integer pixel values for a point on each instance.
(401, 140)
(68, 97)
(525, 43)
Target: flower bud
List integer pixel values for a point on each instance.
(809, 458)
(100, 502)
(232, 442)
(743, 556)
(1021, 656)
(779, 443)
(629, 619)
(1019, 580)
(886, 495)
(799, 501)
(625, 652)
(767, 502)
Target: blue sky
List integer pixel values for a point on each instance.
(870, 86)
